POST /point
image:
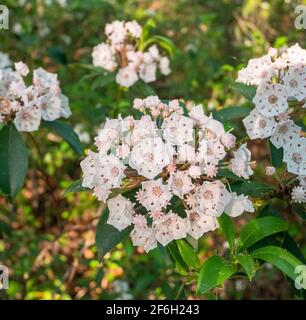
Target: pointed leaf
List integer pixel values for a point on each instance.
(13, 161)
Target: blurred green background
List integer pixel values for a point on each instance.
(47, 237)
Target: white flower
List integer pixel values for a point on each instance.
(178, 129)
(285, 132)
(65, 109)
(101, 193)
(211, 170)
(296, 55)
(105, 139)
(151, 102)
(212, 197)
(271, 99)
(197, 114)
(170, 227)
(295, 82)
(238, 205)
(133, 28)
(270, 171)
(110, 172)
(144, 237)
(154, 195)
(258, 126)
(186, 153)
(240, 164)
(88, 166)
(22, 68)
(149, 156)
(180, 183)
(295, 156)
(138, 104)
(228, 140)
(213, 129)
(116, 32)
(298, 194)
(147, 72)
(198, 224)
(215, 151)
(126, 77)
(257, 71)
(164, 66)
(154, 52)
(50, 106)
(120, 212)
(45, 82)
(194, 171)
(28, 118)
(104, 57)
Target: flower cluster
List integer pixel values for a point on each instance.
(166, 160)
(280, 96)
(121, 53)
(26, 105)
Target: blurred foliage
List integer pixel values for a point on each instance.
(47, 236)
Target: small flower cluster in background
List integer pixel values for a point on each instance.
(120, 53)
(280, 78)
(27, 105)
(170, 156)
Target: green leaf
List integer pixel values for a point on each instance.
(162, 42)
(252, 188)
(177, 259)
(57, 54)
(227, 227)
(214, 272)
(13, 161)
(247, 91)
(5, 228)
(225, 173)
(299, 209)
(260, 228)
(150, 24)
(103, 80)
(248, 264)
(76, 187)
(107, 236)
(280, 258)
(66, 132)
(188, 254)
(231, 113)
(276, 155)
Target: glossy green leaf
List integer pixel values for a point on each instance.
(13, 161)
(252, 188)
(107, 236)
(247, 91)
(225, 173)
(66, 132)
(76, 187)
(231, 113)
(280, 258)
(248, 264)
(260, 228)
(227, 227)
(188, 254)
(213, 273)
(276, 155)
(299, 209)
